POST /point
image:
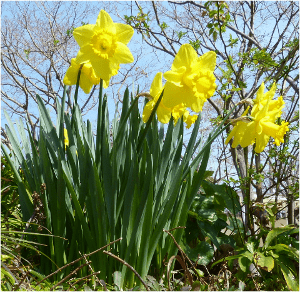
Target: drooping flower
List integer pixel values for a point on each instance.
(260, 126)
(191, 80)
(104, 45)
(163, 113)
(87, 76)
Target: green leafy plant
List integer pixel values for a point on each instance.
(213, 212)
(130, 183)
(19, 248)
(278, 256)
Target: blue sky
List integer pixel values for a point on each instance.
(152, 60)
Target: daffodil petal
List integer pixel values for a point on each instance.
(122, 54)
(189, 120)
(196, 104)
(261, 142)
(175, 76)
(104, 20)
(85, 83)
(207, 61)
(186, 55)
(83, 34)
(85, 54)
(260, 93)
(148, 110)
(239, 130)
(66, 138)
(230, 135)
(105, 83)
(124, 32)
(178, 111)
(163, 114)
(71, 76)
(270, 94)
(102, 68)
(247, 133)
(156, 86)
(174, 95)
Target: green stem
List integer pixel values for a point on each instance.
(77, 83)
(76, 95)
(99, 121)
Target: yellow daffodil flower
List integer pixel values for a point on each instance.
(87, 76)
(261, 124)
(191, 80)
(104, 45)
(275, 106)
(66, 138)
(164, 113)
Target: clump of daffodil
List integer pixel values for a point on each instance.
(164, 113)
(104, 45)
(191, 80)
(260, 125)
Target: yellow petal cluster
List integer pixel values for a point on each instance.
(191, 79)
(164, 113)
(261, 125)
(88, 77)
(103, 47)
(190, 82)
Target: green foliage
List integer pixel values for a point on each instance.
(208, 219)
(274, 257)
(219, 14)
(123, 184)
(69, 32)
(163, 26)
(180, 34)
(232, 41)
(9, 192)
(27, 53)
(196, 44)
(258, 59)
(18, 247)
(141, 22)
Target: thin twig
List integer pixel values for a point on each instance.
(182, 252)
(79, 259)
(16, 287)
(127, 265)
(91, 268)
(187, 274)
(68, 276)
(94, 274)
